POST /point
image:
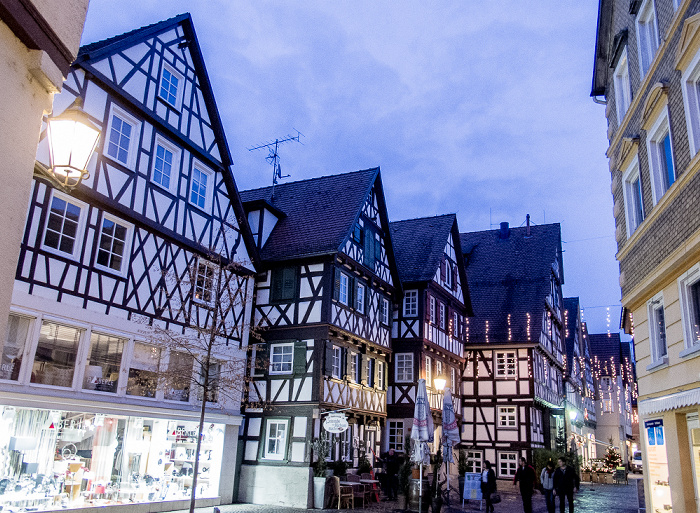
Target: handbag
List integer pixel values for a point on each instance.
(495, 498)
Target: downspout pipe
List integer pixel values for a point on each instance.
(599, 101)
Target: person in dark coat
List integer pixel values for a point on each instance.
(488, 485)
(565, 480)
(525, 475)
(392, 462)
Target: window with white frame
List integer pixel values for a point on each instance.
(170, 89)
(343, 289)
(632, 195)
(354, 366)
(647, 36)
(453, 380)
(114, 245)
(166, 163)
(475, 461)
(661, 163)
(428, 371)
(13, 349)
(438, 368)
(507, 464)
(448, 274)
(623, 91)
(605, 383)
(455, 325)
(201, 187)
(505, 364)
(143, 370)
(380, 375)
(281, 358)
(443, 315)
(410, 303)
(64, 225)
(104, 362)
(204, 281)
(396, 435)
(657, 328)
(360, 298)
(371, 362)
(180, 364)
(690, 86)
(606, 402)
(56, 354)
(386, 307)
(433, 308)
(275, 439)
(689, 289)
(122, 137)
(506, 417)
(336, 358)
(404, 367)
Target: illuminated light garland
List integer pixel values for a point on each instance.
(529, 323)
(510, 331)
(487, 332)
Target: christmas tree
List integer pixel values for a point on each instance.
(612, 457)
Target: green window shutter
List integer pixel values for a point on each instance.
(336, 283)
(369, 248)
(299, 365)
(262, 358)
(289, 282)
(328, 357)
(276, 282)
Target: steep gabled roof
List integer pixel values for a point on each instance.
(572, 306)
(319, 213)
(509, 278)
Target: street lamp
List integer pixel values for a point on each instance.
(572, 415)
(72, 140)
(440, 383)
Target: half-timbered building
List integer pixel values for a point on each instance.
(579, 383)
(513, 390)
(324, 302)
(429, 327)
(84, 416)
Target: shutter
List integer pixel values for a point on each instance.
(369, 248)
(289, 282)
(443, 265)
(262, 358)
(377, 249)
(299, 365)
(352, 292)
(428, 308)
(348, 363)
(277, 279)
(376, 365)
(367, 302)
(363, 369)
(336, 283)
(328, 370)
(454, 277)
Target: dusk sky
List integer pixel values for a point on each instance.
(476, 108)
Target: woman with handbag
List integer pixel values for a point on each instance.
(488, 487)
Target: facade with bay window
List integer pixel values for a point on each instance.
(90, 413)
(324, 302)
(655, 176)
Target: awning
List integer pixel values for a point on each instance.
(670, 402)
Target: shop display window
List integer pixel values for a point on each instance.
(658, 465)
(56, 352)
(52, 460)
(102, 367)
(143, 371)
(17, 330)
(179, 376)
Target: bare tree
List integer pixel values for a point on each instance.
(203, 326)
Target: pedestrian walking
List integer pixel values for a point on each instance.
(525, 475)
(565, 480)
(488, 485)
(391, 466)
(547, 480)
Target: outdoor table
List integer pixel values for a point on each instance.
(374, 483)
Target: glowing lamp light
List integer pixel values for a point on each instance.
(72, 140)
(440, 383)
(572, 415)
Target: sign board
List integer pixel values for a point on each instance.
(472, 486)
(655, 431)
(335, 423)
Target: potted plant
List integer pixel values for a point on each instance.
(364, 466)
(436, 486)
(404, 475)
(321, 448)
(586, 473)
(462, 469)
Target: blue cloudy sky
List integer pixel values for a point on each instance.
(478, 108)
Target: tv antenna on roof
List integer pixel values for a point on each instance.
(273, 156)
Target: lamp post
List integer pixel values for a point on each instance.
(72, 139)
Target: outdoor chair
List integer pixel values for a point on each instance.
(365, 475)
(620, 476)
(353, 478)
(343, 493)
(358, 491)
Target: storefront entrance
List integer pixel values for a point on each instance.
(658, 465)
(694, 439)
(51, 460)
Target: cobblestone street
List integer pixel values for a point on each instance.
(592, 498)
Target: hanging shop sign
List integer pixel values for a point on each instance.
(335, 423)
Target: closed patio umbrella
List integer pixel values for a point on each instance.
(422, 433)
(450, 433)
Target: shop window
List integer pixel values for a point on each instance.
(275, 439)
(143, 371)
(505, 364)
(689, 287)
(657, 463)
(281, 358)
(507, 464)
(12, 351)
(475, 461)
(56, 352)
(180, 367)
(104, 361)
(404, 367)
(396, 435)
(212, 382)
(410, 303)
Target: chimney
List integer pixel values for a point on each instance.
(527, 232)
(505, 231)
